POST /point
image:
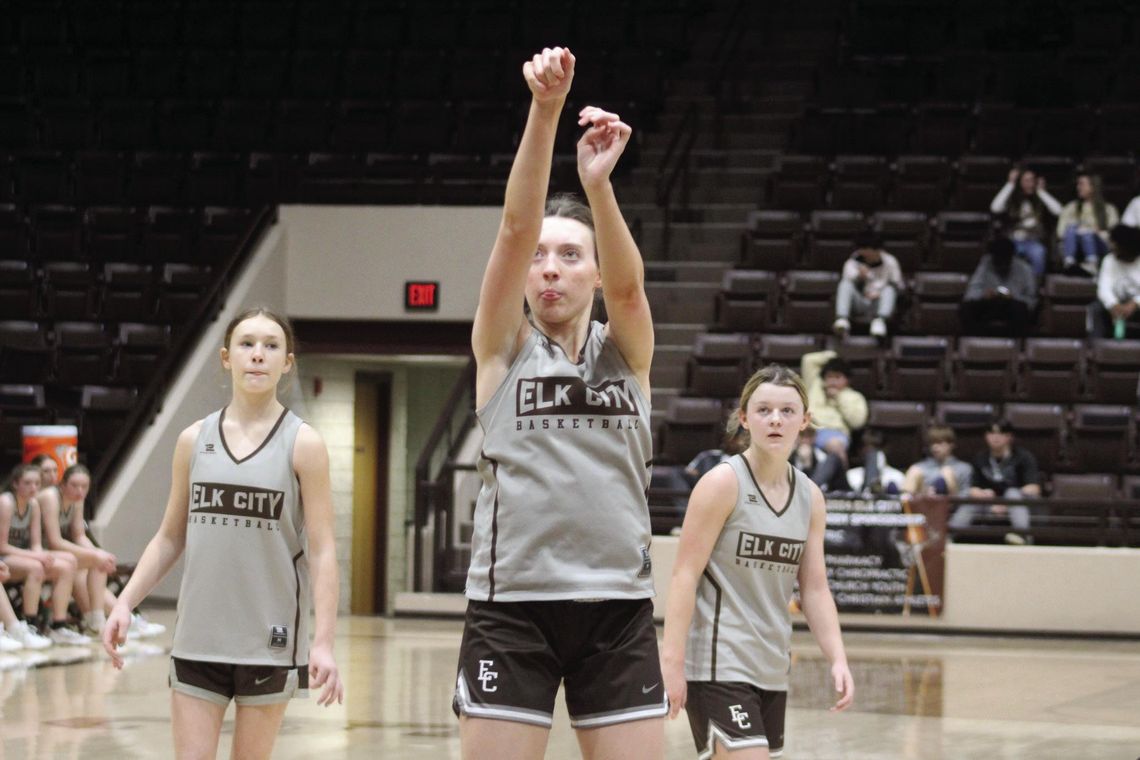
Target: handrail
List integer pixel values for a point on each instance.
(179, 352)
(445, 438)
(670, 170)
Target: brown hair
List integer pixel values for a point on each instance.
(75, 469)
(940, 434)
(774, 374)
(256, 311)
(16, 475)
(568, 206)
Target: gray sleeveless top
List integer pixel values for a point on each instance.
(245, 588)
(741, 630)
(66, 514)
(20, 527)
(562, 511)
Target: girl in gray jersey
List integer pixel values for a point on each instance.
(21, 547)
(754, 525)
(251, 506)
(560, 577)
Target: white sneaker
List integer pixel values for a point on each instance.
(27, 636)
(7, 643)
(68, 637)
(10, 662)
(878, 327)
(142, 628)
(841, 327)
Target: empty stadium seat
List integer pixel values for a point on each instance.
(25, 354)
(859, 183)
(70, 290)
(937, 296)
(83, 353)
(960, 240)
(691, 426)
(901, 423)
(720, 364)
(1053, 369)
(921, 184)
(863, 355)
(19, 290)
(969, 420)
(1102, 437)
(141, 348)
(810, 301)
(1039, 428)
(984, 368)
(918, 367)
(747, 300)
(905, 235)
(772, 240)
(1064, 305)
(832, 236)
(1114, 371)
(1093, 486)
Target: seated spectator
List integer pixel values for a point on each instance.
(876, 477)
(1024, 200)
(871, 283)
(827, 471)
(941, 473)
(837, 409)
(1131, 215)
(1002, 294)
(1083, 227)
(734, 442)
(1117, 286)
(1006, 471)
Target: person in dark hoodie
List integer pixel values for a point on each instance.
(1001, 297)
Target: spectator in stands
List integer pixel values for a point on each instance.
(1118, 286)
(827, 471)
(1024, 200)
(871, 283)
(1083, 227)
(1002, 294)
(22, 550)
(941, 473)
(1131, 215)
(734, 442)
(876, 476)
(837, 409)
(15, 634)
(1003, 471)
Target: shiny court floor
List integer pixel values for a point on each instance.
(922, 697)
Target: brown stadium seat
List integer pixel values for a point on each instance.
(682, 302)
(19, 289)
(960, 240)
(1053, 369)
(863, 355)
(1114, 371)
(691, 426)
(1101, 438)
(1064, 305)
(83, 353)
(1097, 486)
(747, 300)
(969, 420)
(772, 240)
(669, 367)
(901, 423)
(799, 184)
(921, 184)
(832, 233)
(810, 304)
(720, 364)
(918, 367)
(979, 179)
(859, 183)
(786, 349)
(26, 356)
(1039, 428)
(905, 235)
(984, 368)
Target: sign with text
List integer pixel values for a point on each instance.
(421, 296)
(886, 556)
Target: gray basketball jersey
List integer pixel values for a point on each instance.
(741, 630)
(562, 511)
(20, 527)
(66, 514)
(245, 587)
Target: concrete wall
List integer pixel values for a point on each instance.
(351, 262)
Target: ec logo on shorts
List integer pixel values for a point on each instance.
(739, 716)
(486, 675)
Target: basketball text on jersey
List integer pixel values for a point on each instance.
(572, 396)
(766, 552)
(216, 503)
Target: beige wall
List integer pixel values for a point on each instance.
(351, 262)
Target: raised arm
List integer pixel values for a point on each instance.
(710, 504)
(623, 273)
(495, 335)
(311, 463)
(819, 606)
(162, 551)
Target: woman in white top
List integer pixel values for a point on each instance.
(1026, 202)
(1083, 226)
